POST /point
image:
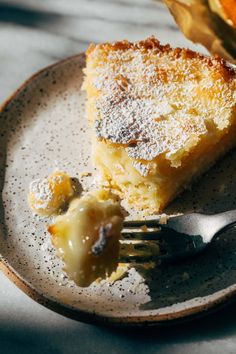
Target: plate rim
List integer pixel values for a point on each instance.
(166, 319)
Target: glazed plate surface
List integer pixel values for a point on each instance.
(42, 128)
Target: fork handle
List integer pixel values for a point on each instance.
(224, 220)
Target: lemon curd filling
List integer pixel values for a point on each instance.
(87, 237)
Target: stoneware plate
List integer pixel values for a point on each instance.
(43, 127)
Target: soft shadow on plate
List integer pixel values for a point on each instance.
(198, 276)
(214, 192)
(208, 272)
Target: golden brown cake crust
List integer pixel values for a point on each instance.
(218, 63)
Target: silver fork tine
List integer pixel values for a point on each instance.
(181, 236)
(149, 235)
(134, 224)
(172, 246)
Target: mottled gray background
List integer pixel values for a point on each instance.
(34, 34)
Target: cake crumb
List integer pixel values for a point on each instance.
(47, 196)
(144, 228)
(185, 276)
(85, 174)
(163, 219)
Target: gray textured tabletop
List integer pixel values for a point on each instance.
(34, 34)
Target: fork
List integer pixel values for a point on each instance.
(180, 237)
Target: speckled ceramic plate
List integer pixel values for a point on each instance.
(43, 127)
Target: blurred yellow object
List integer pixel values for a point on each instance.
(48, 195)
(209, 22)
(226, 9)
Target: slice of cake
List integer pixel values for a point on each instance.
(160, 117)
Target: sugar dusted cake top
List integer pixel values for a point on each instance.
(155, 100)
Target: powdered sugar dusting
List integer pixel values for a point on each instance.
(48, 195)
(156, 103)
(42, 192)
(142, 168)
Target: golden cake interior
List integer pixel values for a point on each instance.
(160, 117)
